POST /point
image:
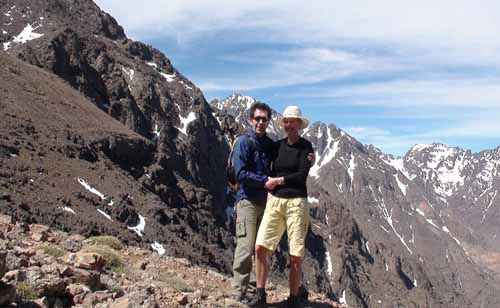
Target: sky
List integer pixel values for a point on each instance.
(391, 73)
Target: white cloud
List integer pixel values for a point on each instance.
(444, 30)
(419, 60)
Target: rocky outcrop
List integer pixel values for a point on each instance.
(103, 272)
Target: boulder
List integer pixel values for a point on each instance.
(137, 299)
(73, 243)
(86, 260)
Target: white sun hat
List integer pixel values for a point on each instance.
(295, 113)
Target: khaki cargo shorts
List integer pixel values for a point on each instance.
(283, 214)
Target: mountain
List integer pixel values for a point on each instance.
(100, 134)
(393, 229)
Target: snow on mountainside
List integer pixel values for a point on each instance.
(394, 216)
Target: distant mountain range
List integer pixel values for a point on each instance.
(420, 227)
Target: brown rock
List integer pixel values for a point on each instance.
(86, 260)
(102, 296)
(182, 299)
(6, 220)
(76, 288)
(27, 251)
(15, 262)
(11, 275)
(41, 236)
(137, 299)
(90, 278)
(73, 243)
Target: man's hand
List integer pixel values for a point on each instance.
(271, 183)
(311, 157)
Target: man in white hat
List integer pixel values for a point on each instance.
(286, 208)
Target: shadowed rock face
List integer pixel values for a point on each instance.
(141, 135)
(388, 232)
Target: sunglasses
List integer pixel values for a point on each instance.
(259, 119)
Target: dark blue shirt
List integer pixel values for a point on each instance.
(252, 166)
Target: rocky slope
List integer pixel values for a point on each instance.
(50, 268)
(389, 233)
(125, 146)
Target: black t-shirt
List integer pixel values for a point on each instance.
(291, 163)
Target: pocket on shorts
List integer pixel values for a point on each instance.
(241, 230)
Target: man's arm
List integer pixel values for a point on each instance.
(243, 165)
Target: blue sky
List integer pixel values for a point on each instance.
(391, 73)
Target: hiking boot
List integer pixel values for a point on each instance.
(259, 300)
(303, 294)
(293, 302)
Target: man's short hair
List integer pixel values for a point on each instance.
(259, 105)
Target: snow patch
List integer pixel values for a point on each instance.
(129, 72)
(398, 164)
(158, 248)
(68, 209)
(104, 214)
(139, 229)
(169, 78)
(329, 263)
(91, 189)
(185, 121)
(352, 167)
(489, 205)
(6, 46)
(401, 186)
(157, 131)
(342, 299)
(331, 150)
(27, 34)
(152, 64)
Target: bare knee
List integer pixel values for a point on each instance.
(261, 252)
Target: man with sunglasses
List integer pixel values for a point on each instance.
(252, 157)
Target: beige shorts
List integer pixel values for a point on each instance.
(282, 214)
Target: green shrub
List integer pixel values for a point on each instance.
(110, 256)
(175, 282)
(52, 250)
(109, 241)
(25, 292)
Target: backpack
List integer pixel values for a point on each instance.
(230, 172)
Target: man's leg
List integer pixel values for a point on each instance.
(295, 274)
(246, 231)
